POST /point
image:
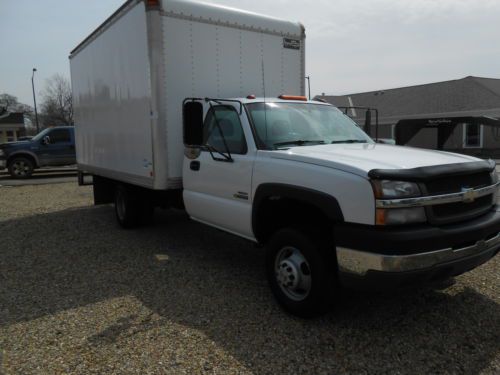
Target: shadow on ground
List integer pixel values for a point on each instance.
(213, 282)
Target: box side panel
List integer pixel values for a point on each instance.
(205, 59)
(112, 96)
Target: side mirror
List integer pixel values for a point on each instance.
(193, 123)
(368, 122)
(46, 140)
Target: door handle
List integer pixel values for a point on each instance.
(194, 165)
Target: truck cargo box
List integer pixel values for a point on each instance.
(131, 75)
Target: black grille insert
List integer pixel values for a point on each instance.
(455, 184)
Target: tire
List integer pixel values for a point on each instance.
(127, 207)
(302, 272)
(131, 209)
(21, 167)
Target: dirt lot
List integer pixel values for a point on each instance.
(79, 295)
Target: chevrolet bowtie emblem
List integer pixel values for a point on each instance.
(469, 195)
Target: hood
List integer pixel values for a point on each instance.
(14, 144)
(361, 158)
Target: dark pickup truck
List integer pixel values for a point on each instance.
(50, 147)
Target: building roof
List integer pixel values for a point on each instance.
(469, 96)
(13, 118)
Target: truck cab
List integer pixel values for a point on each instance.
(50, 147)
(329, 202)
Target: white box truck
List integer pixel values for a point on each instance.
(200, 107)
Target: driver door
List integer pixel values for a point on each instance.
(59, 150)
(217, 191)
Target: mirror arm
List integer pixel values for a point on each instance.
(224, 158)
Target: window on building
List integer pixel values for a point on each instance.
(473, 135)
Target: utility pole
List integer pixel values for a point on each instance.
(34, 100)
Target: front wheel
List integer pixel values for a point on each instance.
(302, 272)
(21, 167)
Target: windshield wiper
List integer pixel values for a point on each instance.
(298, 142)
(350, 141)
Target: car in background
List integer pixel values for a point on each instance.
(51, 147)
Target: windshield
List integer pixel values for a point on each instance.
(40, 135)
(296, 124)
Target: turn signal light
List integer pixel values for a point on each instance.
(152, 3)
(380, 216)
(293, 97)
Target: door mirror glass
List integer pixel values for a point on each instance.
(368, 122)
(193, 124)
(46, 140)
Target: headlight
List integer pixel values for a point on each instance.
(395, 189)
(387, 189)
(2, 152)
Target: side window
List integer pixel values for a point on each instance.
(229, 123)
(59, 136)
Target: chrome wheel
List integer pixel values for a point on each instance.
(293, 273)
(21, 168)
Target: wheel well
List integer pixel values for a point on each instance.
(280, 205)
(276, 214)
(27, 156)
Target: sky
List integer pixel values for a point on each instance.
(352, 45)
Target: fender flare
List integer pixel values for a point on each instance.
(318, 199)
(24, 153)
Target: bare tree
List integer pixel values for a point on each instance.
(9, 103)
(57, 102)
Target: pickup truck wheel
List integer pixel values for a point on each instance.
(301, 272)
(21, 167)
(127, 207)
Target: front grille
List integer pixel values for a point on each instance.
(453, 212)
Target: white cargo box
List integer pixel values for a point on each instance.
(131, 75)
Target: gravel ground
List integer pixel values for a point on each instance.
(79, 295)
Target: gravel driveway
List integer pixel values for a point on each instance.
(79, 295)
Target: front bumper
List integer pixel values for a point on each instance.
(383, 257)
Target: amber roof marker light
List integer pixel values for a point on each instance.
(293, 97)
(152, 4)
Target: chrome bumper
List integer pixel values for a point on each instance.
(360, 262)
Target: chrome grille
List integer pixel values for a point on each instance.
(457, 211)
